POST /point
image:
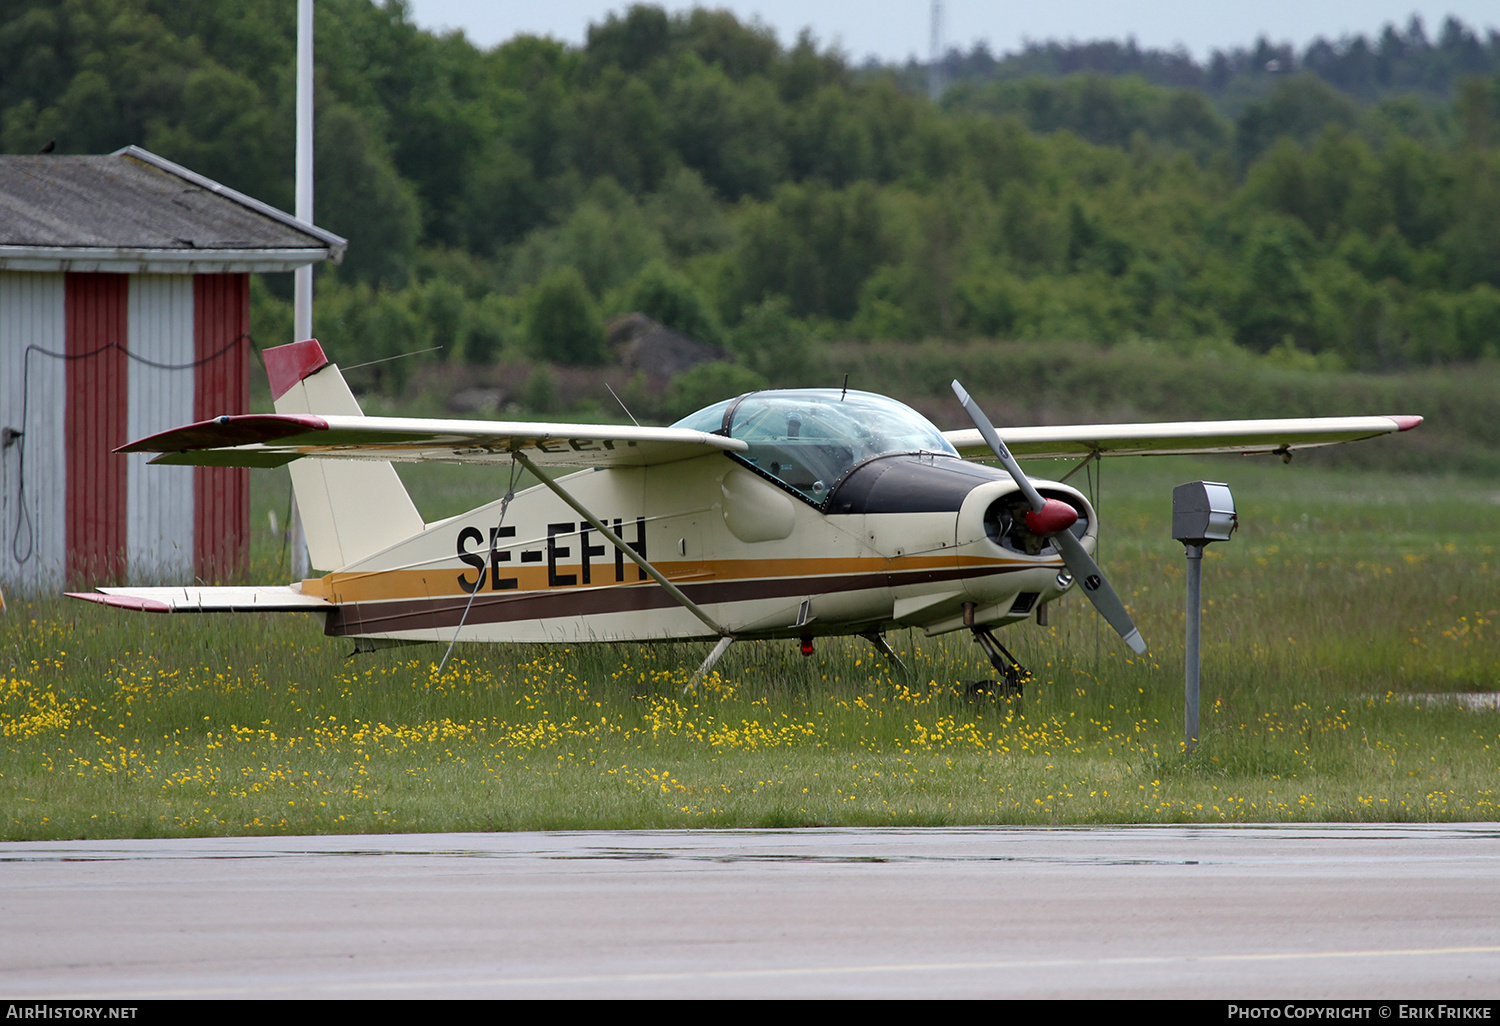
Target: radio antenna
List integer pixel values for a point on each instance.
(623, 406)
(398, 356)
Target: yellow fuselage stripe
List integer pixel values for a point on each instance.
(377, 586)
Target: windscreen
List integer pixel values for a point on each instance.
(808, 438)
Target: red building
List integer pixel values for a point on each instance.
(125, 310)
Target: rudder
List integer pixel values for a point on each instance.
(350, 509)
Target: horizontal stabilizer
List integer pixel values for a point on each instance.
(1178, 439)
(255, 440)
(272, 599)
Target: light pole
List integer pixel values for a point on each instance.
(1202, 512)
(302, 276)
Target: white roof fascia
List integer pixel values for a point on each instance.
(155, 261)
(336, 243)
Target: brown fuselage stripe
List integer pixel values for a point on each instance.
(355, 618)
(342, 587)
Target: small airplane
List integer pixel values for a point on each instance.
(776, 514)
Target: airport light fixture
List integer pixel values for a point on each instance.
(1202, 512)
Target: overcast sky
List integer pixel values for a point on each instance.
(897, 29)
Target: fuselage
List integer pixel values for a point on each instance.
(901, 540)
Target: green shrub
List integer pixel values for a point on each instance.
(666, 296)
(562, 323)
(774, 344)
(709, 383)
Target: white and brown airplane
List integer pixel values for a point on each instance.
(776, 514)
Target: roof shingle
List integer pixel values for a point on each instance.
(137, 202)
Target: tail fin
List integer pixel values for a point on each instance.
(351, 509)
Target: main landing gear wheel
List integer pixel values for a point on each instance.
(976, 689)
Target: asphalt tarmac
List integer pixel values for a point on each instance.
(1367, 912)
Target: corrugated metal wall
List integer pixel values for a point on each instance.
(221, 314)
(96, 309)
(71, 511)
(33, 508)
(159, 517)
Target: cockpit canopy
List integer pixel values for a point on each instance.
(809, 438)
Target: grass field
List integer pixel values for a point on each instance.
(1345, 593)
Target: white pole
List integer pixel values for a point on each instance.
(302, 299)
(302, 312)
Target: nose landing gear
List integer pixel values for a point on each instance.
(1013, 676)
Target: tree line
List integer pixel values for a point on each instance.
(1394, 62)
(503, 203)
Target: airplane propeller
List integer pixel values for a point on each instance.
(1050, 518)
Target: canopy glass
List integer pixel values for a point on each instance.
(808, 438)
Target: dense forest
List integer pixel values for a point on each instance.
(1341, 204)
(1395, 63)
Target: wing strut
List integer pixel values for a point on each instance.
(620, 544)
(709, 663)
(1090, 458)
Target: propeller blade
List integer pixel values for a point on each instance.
(1088, 574)
(992, 439)
(1075, 557)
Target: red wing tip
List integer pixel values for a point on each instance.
(244, 429)
(1406, 423)
(286, 365)
(122, 601)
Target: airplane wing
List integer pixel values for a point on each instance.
(282, 599)
(270, 440)
(1174, 439)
